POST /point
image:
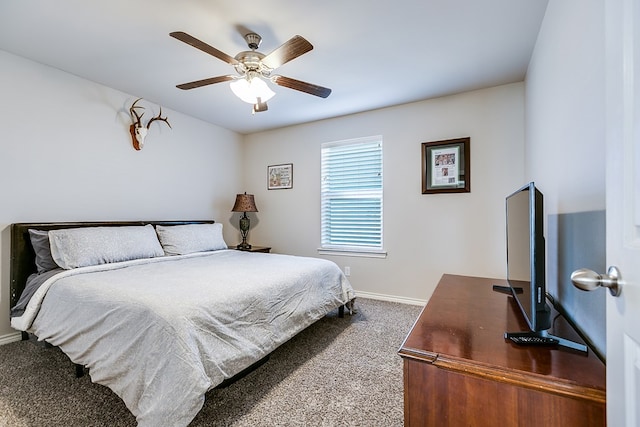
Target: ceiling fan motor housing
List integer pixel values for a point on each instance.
(250, 60)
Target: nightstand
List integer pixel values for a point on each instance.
(255, 248)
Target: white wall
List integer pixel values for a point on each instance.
(425, 235)
(565, 107)
(66, 155)
(565, 150)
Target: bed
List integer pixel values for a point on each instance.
(162, 312)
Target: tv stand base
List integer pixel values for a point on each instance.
(536, 338)
(507, 289)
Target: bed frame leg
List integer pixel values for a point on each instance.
(350, 305)
(79, 370)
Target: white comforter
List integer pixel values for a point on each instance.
(161, 332)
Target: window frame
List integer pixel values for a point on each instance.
(374, 251)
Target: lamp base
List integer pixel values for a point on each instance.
(243, 246)
(244, 230)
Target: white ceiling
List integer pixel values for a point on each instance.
(371, 54)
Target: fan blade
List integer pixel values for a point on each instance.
(198, 44)
(291, 49)
(204, 82)
(312, 89)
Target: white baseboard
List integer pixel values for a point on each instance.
(6, 339)
(390, 298)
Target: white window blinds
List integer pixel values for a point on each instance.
(351, 194)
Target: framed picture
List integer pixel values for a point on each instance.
(280, 177)
(446, 166)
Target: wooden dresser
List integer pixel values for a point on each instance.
(460, 371)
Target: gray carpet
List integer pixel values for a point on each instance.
(338, 372)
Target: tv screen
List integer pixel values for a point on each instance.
(526, 254)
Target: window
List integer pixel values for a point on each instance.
(351, 196)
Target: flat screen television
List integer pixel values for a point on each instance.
(526, 254)
(526, 267)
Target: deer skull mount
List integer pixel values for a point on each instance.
(137, 129)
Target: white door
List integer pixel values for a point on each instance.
(622, 49)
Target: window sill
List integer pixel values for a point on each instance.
(353, 252)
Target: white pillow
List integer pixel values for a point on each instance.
(189, 238)
(80, 247)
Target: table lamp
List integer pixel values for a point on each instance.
(244, 203)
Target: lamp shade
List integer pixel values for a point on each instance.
(251, 90)
(244, 203)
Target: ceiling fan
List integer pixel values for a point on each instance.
(254, 68)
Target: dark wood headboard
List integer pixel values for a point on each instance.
(23, 261)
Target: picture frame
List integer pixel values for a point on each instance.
(280, 177)
(446, 166)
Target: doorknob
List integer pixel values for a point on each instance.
(588, 280)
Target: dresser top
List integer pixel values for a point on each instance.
(462, 329)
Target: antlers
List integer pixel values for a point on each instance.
(159, 117)
(138, 118)
(138, 131)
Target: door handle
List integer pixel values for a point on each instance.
(588, 280)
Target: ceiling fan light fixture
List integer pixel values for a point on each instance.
(252, 90)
